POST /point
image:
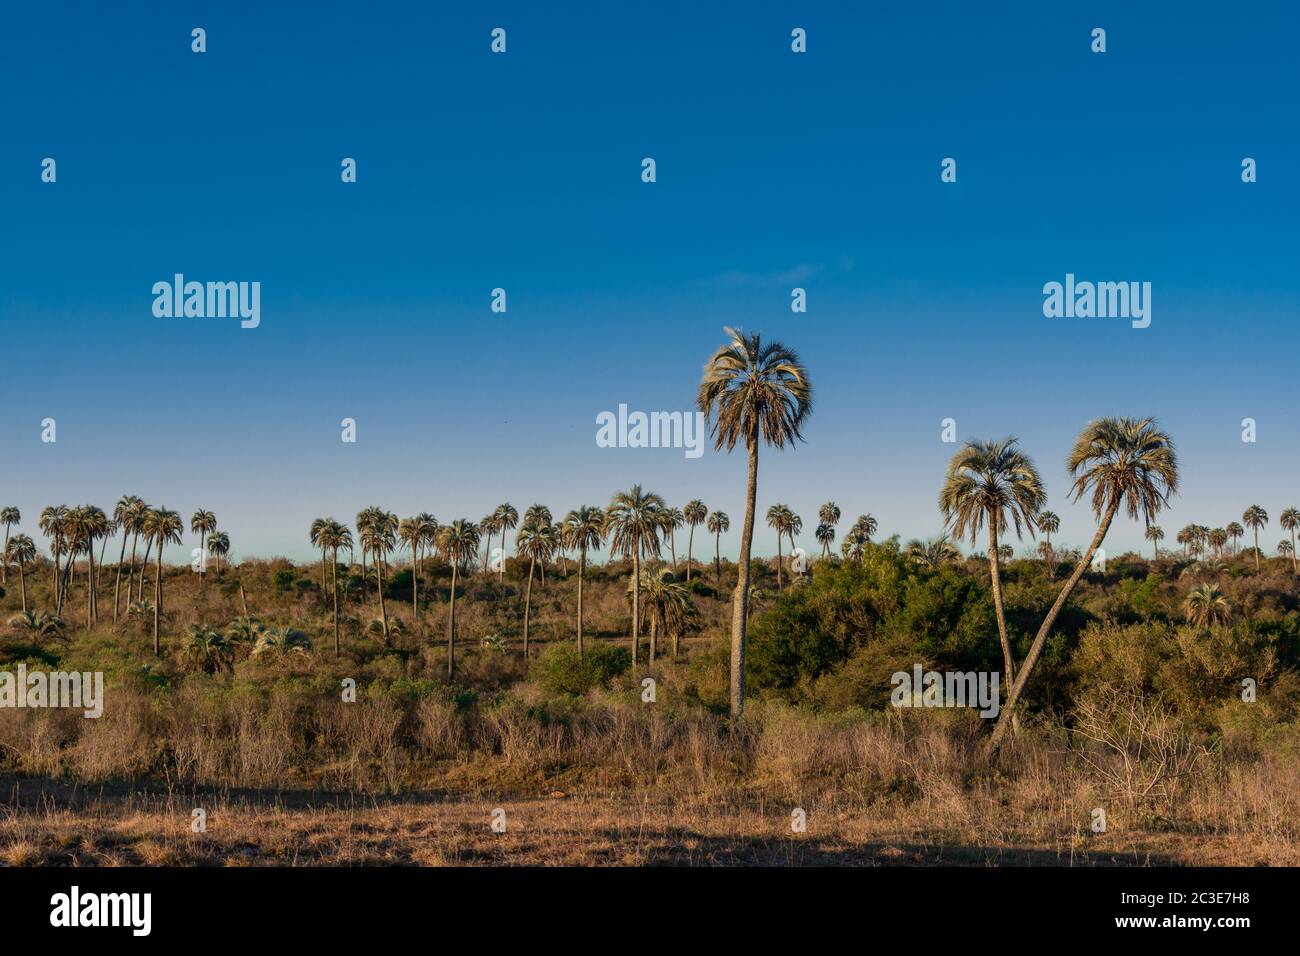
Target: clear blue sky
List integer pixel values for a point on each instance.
(523, 171)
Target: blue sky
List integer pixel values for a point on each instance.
(522, 171)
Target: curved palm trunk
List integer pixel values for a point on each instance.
(102, 548)
(117, 584)
(158, 600)
(22, 580)
(690, 541)
(336, 602)
(1008, 662)
(740, 601)
(528, 603)
(636, 597)
(582, 567)
(451, 623)
(1040, 639)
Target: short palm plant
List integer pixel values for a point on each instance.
(1206, 606)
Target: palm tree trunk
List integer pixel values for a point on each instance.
(102, 548)
(654, 633)
(717, 561)
(415, 581)
(1008, 662)
(90, 584)
(1040, 639)
(336, 601)
(203, 560)
(740, 601)
(1257, 549)
(779, 562)
(4, 565)
(1293, 562)
(365, 582)
(451, 622)
(383, 608)
(148, 546)
(117, 585)
(323, 583)
(22, 580)
(487, 552)
(157, 601)
(672, 544)
(636, 597)
(690, 542)
(528, 603)
(582, 568)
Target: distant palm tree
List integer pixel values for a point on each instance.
(53, 524)
(128, 513)
(486, 528)
(366, 518)
(825, 535)
(203, 523)
(1235, 532)
(1255, 518)
(718, 524)
(1155, 534)
(1048, 522)
(673, 519)
(163, 527)
(411, 535)
(97, 526)
(334, 536)
(780, 519)
(507, 518)
(829, 513)
(635, 520)
(1186, 537)
(209, 649)
(584, 530)
(794, 528)
(1290, 520)
(458, 544)
(993, 483)
(1206, 605)
(540, 514)
(696, 514)
(379, 539)
(751, 393)
(1122, 461)
(934, 553)
(9, 516)
(536, 542)
(1287, 550)
(21, 550)
(313, 534)
(1218, 537)
(428, 525)
(219, 547)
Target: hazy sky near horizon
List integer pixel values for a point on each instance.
(523, 171)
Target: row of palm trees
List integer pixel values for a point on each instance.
(1196, 539)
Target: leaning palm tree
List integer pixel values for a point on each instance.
(1206, 606)
(1290, 520)
(203, 523)
(163, 527)
(583, 530)
(752, 393)
(379, 539)
(635, 520)
(779, 519)
(696, 514)
(8, 516)
(130, 509)
(794, 528)
(536, 542)
(1235, 532)
(507, 519)
(21, 550)
(993, 484)
(334, 536)
(1255, 518)
(1155, 534)
(718, 524)
(458, 544)
(219, 547)
(825, 535)
(1122, 461)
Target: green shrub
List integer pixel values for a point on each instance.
(560, 670)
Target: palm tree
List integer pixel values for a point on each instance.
(1218, 537)
(127, 514)
(1255, 518)
(673, 519)
(53, 524)
(218, 547)
(536, 542)
(209, 649)
(718, 523)
(829, 513)
(365, 519)
(203, 523)
(1186, 536)
(486, 528)
(779, 518)
(696, 514)
(333, 536)
(752, 393)
(635, 519)
(10, 516)
(1155, 534)
(859, 536)
(664, 601)
(1235, 532)
(1290, 520)
(934, 553)
(825, 535)
(313, 534)
(411, 535)
(36, 625)
(507, 518)
(20, 550)
(379, 538)
(1048, 522)
(1206, 606)
(583, 530)
(163, 527)
(1123, 461)
(541, 515)
(96, 525)
(987, 483)
(1287, 550)
(458, 543)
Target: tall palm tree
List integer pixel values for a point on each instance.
(635, 520)
(673, 519)
(779, 518)
(411, 535)
(825, 535)
(1155, 534)
(317, 527)
(696, 513)
(1218, 537)
(203, 523)
(1206, 605)
(458, 544)
(1235, 532)
(829, 513)
(365, 518)
(993, 483)
(752, 393)
(163, 527)
(584, 529)
(1186, 537)
(429, 526)
(1290, 520)
(96, 526)
(379, 539)
(53, 524)
(1255, 518)
(540, 514)
(794, 528)
(537, 542)
(218, 547)
(865, 527)
(21, 550)
(507, 518)
(1122, 461)
(718, 524)
(9, 516)
(486, 528)
(335, 535)
(128, 513)
(1048, 522)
